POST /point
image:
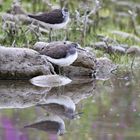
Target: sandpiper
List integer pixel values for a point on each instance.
(52, 124)
(61, 54)
(56, 19)
(60, 105)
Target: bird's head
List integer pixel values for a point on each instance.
(65, 12)
(74, 45)
(71, 114)
(77, 46)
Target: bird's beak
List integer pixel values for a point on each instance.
(78, 114)
(81, 49)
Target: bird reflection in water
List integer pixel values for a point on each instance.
(60, 105)
(52, 124)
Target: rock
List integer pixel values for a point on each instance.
(85, 59)
(119, 49)
(126, 4)
(22, 63)
(79, 89)
(133, 50)
(16, 18)
(126, 35)
(22, 94)
(72, 71)
(50, 80)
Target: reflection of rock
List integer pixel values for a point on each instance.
(22, 63)
(52, 124)
(133, 50)
(77, 90)
(60, 105)
(50, 80)
(104, 68)
(122, 80)
(20, 94)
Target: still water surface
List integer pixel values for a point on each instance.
(108, 110)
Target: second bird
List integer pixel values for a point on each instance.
(55, 19)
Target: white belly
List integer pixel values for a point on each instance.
(64, 61)
(54, 26)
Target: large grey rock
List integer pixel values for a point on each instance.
(22, 63)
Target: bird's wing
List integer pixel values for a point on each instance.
(56, 52)
(52, 17)
(45, 125)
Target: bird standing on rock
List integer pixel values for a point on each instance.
(61, 54)
(55, 19)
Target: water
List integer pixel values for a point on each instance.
(111, 109)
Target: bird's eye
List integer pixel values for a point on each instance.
(42, 48)
(75, 45)
(65, 9)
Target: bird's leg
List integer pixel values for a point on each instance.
(60, 88)
(63, 74)
(66, 35)
(58, 70)
(50, 35)
(52, 69)
(62, 71)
